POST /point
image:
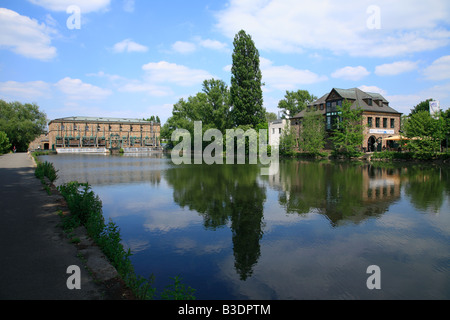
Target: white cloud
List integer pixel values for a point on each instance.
(149, 88)
(351, 73)
(25, 36)
(286, 77)
(86, 6)
(212, 44)
(76, 89)
(128, 5)
(129, 45)
(439, 69)
(184, 47)
(165, 72)
(189, 47)
(373, 89)
(392, 69)
(339, 26)
(29, 91)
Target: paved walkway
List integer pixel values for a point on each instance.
(35, 254)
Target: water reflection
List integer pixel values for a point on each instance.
(342, 192)
(308, 232)
(101, 170)
(222, 194)
(428, 187)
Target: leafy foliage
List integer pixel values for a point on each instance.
(46, 169)
(211, 106)
(348, 134)
(4, 143)
(313, 133)
(245, 91)
(426, 133)
(295, 102)
(287, 141)
(21, 122)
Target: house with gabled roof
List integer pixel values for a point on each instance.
(379, 119)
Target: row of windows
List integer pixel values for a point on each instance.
(87, 128)
(378, 122)
(329, 105)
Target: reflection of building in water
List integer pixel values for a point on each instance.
(381, 184)
(341, 192)
(97, 172)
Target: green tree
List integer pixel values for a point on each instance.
(21, 122)
(312, 133)
(216, 110)
(422, 106)
(287, 141)
(245, 91)
(426, 133)
(348, 136)
(211, 106)
(4, 143)
(271, 116)
(295, 101)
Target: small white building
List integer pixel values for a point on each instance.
(276, 128)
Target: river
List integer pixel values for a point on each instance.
(310, 232)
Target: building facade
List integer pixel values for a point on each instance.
(379, 120)
(102, 133)
(276, 129)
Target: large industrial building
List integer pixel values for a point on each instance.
(91, 134)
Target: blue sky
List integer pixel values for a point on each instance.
(136, 58)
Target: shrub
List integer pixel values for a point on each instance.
(46, 169)
(4, 143)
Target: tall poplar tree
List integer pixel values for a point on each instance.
(245, 91)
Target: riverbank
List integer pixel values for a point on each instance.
(37, 252)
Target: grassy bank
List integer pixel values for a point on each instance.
(86, 210)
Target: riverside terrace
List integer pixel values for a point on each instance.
(78, 133)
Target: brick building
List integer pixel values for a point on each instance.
(102, 133)
(379, 120)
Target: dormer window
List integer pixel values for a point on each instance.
(369, 102)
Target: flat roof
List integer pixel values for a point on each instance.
(101, 119)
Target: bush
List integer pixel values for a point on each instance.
(46, 169)
(4, 143)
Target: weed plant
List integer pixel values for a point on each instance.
(46, 169)
(86, 209)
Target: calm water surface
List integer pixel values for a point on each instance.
(309, 232)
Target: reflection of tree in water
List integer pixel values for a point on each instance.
(223, 193)
(341, 191)
(428, 186)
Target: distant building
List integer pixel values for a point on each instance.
(40, 143)
(72, 133)
(380, 121)
(276, 128)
